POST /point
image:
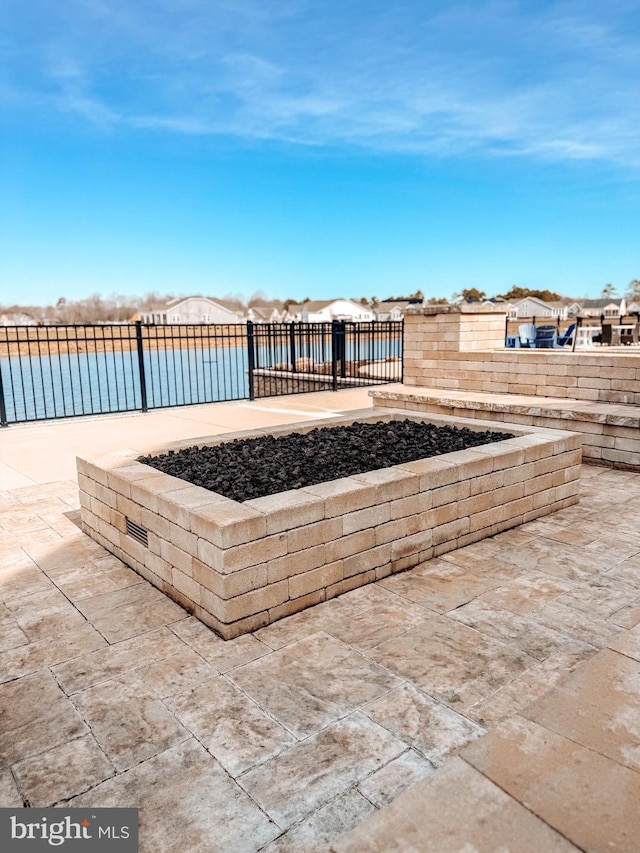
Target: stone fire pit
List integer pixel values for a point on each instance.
(240, 566)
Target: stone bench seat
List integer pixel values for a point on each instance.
(611, 432)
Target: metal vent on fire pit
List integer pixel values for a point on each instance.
(136, 532)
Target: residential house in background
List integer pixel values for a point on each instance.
(326, 311)
(191, 310)
(608, 307)
(272, 312)
(531, 306)
(391, 310)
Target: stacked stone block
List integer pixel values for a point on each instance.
(240, 566)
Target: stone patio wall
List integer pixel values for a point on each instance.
(465, 352)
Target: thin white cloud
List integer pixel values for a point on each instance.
(499, 77)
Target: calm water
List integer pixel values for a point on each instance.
(53, 386)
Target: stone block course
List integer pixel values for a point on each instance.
(240, 566)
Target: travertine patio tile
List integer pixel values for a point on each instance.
(315, 833)
(187, 803)
(65, 553)
(555, 559)
(522, 632)
(451, 662)
(11, 634)
(627, 643)
(10, 796)
(92, 669)
(129, 725)
(63, 772)
(492, 565)
(309, 684)
(600, 596)
(46, 614)
(130, 611)
(36, 716)
(223, 655)
(529, 686)
(383, 786)
(358, 601)
(454, 811)
(83, 581)
(229, 725)
(527, 593)
(21, 577)
(614, 548)
(379, 623)
(576, 624)
(589, 799)
(305, 777)
(426, 725)
(440, 588)
(322, 617)
(597, 706)
(627, 617)
(24, 659)
(627, 571)
(174, 674)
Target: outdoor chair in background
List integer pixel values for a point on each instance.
(567, 338)
(527, 335)
(606, 335)
(546, 337)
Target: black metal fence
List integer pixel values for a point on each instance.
(65, 371)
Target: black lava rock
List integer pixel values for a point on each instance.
(255, 467)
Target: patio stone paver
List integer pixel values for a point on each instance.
(129, 725)
(598, 707)
(628, 643)
(190, 803)
(382, 621)
(520, 631)
(577, 624)
(86, 671)
(587, 797)
(233, 728)
(457, 809)
(525, 593)
(529, 686)
(453, 663)
(46, 614)
(306, 776)
(174, 674)
(439, 585)
(223, 655)
(320, 679)
(330, 821)
(36, 716)
(430, 727)
(63, 772)
(627, 617)
(49, 651)
(329, 715)
(129, 612)
(383, 786)
(10, 796)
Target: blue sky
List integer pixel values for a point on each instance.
(317, 148)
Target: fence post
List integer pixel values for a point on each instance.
(3, 408)
(251, 363)
(143, 378)
(334, 355)
(292, 346)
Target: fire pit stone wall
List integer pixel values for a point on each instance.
(240, 566)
